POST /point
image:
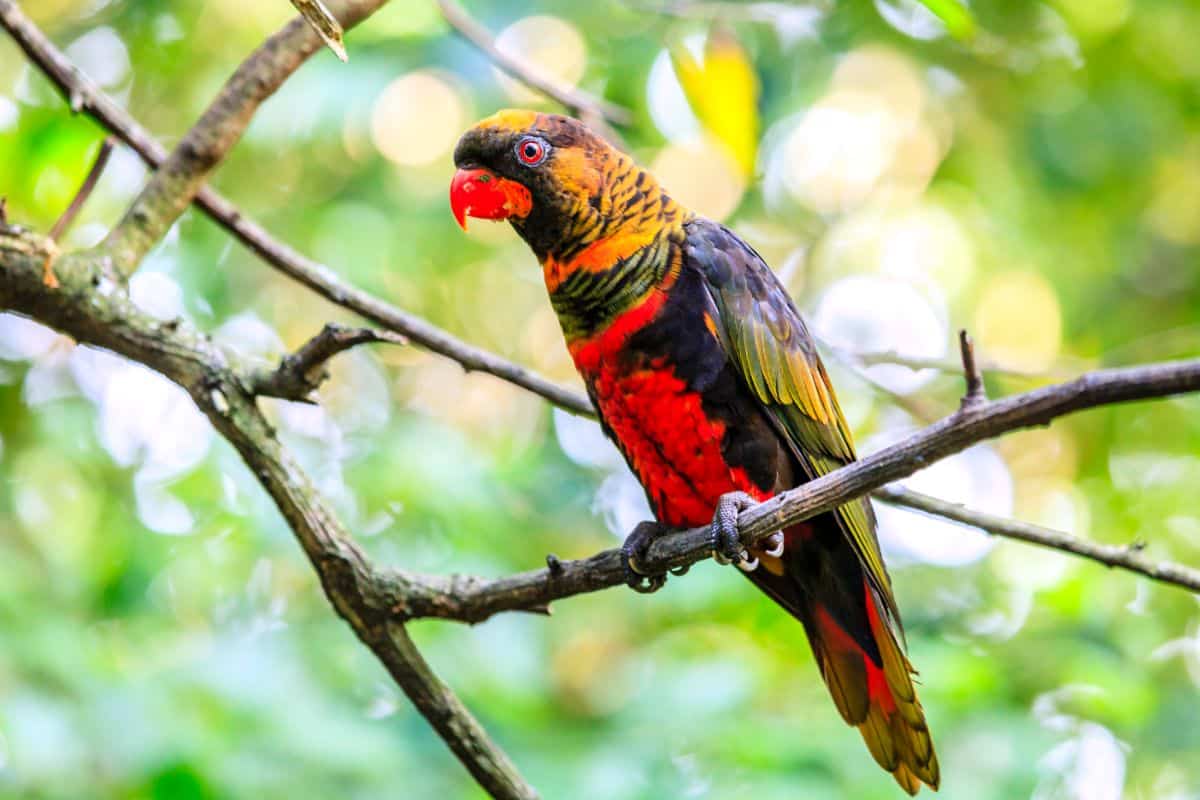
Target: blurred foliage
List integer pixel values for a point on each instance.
(1037, 182)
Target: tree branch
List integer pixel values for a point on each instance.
(301, 373)
(85, 190)
(976, 393)
(107, 318)
(584, 105)
(319, 277)
(92, 313)
(180, 177)
(472, 599)
(377, 604)
(324, 23)
(82, 94)
(869, 358)
(1130, 557)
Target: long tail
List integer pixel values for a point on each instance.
(857, 647)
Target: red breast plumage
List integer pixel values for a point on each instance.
(705, 376)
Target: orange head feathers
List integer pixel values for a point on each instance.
(561, 186)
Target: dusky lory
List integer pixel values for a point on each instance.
(706, 378)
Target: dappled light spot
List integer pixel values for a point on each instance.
(417, 118)
(701, 175)
(977, 478)
(1018, 322)
(159, 510)
(157, 293)
(666, 102)
(550, 46)
(1174, 211)
(870, 314)
(102, 56)
(22, 339)
(1094, 19)
(911, 18)
(9, 114)
(872, 132)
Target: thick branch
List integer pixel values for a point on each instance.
(301, 373)
(319, 277)
(94, 314)
(84, 95)
(473, 599)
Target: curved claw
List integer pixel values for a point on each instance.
(680, 570)
(632, 553)
(646, 584)
(774, 544)
(746, 563)
(726, 543)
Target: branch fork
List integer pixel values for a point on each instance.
(301, 373)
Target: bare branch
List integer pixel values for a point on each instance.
(324, 23)
(316, 276)
(68, 216)
(474, 599)
(180, 177)
(920, 408)
(593, 110)
(976, 393)
(319, 277)
(1128, 557)
(85, 190)
(109, 319)
(301, 373)
(869, 358)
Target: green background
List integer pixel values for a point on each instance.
(1033, 175)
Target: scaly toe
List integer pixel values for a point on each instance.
(726, 544)
(633, 552)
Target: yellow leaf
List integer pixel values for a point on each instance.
(723, 93)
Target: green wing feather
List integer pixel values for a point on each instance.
(768, 342)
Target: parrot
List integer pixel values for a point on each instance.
(704, 375)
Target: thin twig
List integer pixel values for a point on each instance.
(577, 100)
(869, 358)
(976, 393)
(316, 276)
(1127, 557)
(301, 373)
(920, 408)
(85, 190)
(325, 24)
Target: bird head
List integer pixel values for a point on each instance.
(548, 175)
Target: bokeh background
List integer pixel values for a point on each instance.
(1027, 170)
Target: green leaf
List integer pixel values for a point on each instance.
(954, 15)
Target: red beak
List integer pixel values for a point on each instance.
(483, 194)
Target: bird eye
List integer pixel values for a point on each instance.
(531, 151)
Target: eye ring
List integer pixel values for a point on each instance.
(532, 151)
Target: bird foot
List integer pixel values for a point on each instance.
(633, 552)
(727, 545)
